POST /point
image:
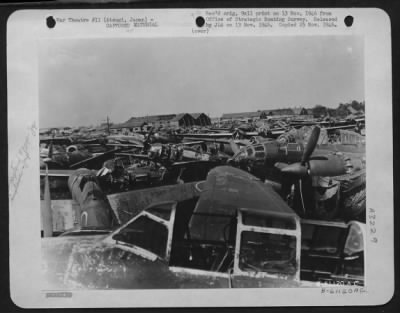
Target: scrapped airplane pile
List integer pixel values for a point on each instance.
(282, 206)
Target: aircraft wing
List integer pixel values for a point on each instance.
(243, 142)
(98, 158)
(207, 135)
(134, 155)
(251, 134)
(125, 145)
(56, 140)
(57, 173)
(350, 126)
(189, 143)
(191, 162)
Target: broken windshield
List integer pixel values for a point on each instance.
(265, 252)
(145, 233)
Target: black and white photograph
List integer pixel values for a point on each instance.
(202, 162)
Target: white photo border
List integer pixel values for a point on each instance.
(26, 28)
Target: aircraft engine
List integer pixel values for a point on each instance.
(71, 148)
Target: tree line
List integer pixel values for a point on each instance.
(342, 110)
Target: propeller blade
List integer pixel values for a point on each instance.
(311, 144)
(281, 165)
(235, 148)
(297, 169)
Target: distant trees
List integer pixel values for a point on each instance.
(341, 111)
(358, 105)
(319, 111)
(332, 112)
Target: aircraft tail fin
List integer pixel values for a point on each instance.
(47, 215)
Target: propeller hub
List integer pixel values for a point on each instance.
(295, 169)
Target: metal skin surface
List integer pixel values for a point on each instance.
(116, 262)
(334, 164)
(323, 161)
(270, 151)
(62, 160)
(71, 263)
(95, 211)
(88, 263)
(227, 189)
(103, 262)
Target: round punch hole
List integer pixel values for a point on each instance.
(348, 20)
(51, 22)
(200, 21)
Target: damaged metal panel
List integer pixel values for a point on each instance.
(87, 263)
(128, 204)
(287, 268)
(95, 210)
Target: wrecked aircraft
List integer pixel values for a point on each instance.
(238, 233)
(93, 210)
(293, 167)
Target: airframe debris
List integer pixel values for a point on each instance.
(255, 199)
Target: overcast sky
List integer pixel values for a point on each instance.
(81, 82)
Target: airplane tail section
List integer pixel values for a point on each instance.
(47, 215)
